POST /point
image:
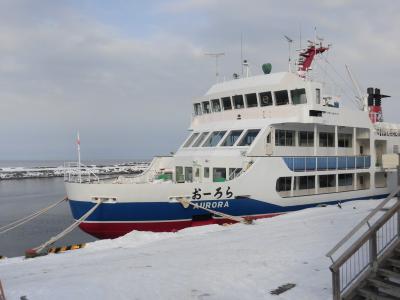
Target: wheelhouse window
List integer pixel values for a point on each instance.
(231, 138)
(266, 99)
(249, 137)
(227, 103)
(219, 174)
(215, 105)
(200, 139)
(327, 181)
(284, 184)
(284, 137)
(197, 109)
(206, 107)
(298, 96)
(214, 139)
(191, 139)
(306, 138)
(344, 140)
(326, 139)
(281, 97)
(238, 101)
(251, 100)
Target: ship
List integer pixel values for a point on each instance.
(258, 146)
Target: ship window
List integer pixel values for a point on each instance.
(281, 97)
(298, 96)
(251, 100)
(216, 106)
(327, 181)
(232, 137)
(326, 139)
(344, 140)
(318, 96)
(345, 179)
(226, 102)
(238, 101)
(284, 137)
(305, 182)
(249, 137)
(214, 139)
(206, 172)
(284, 184)
(180, 177)
(219, 174)
(188, 174)
(200, 139)
(191, 139)
(306, 138)
(197, 109)
(206, 107)
(266, 99)
(234, 172)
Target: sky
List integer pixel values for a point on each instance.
(124, 73)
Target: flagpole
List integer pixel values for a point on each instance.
(78, 143)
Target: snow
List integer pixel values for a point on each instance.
(209, 262)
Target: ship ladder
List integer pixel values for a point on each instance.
(38, 250)
(26, 219)
(186, 202)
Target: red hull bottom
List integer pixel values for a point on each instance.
(110, 230)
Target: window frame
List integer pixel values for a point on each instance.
(200, 140)
(307, 144)
(213, 134)
(276, 93)
(212, 105)
(190, 140)
(285, 131)
(240, 98)
(328, 145)
(262, 103)
(244, 136)
(247, 100)
(296, 90)
(228, 135)
(203, 106)
(223, 99)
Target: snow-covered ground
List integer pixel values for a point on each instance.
(210, 262)
(46, 172)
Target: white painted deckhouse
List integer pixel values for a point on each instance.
(258, 146)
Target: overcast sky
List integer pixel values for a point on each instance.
(125, 72)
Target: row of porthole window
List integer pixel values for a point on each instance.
(229, 139)
(298, 96)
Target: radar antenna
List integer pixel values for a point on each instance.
(290, 41)
(216, 56)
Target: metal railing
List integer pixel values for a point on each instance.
(79, 173)
(354, 264)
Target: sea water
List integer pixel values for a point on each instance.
(21, 197)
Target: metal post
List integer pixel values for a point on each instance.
(336, 284)
(373, 251)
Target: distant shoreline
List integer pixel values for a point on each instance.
(131, 168)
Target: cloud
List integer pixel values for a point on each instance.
(128, 83)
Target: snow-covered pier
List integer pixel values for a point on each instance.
(208, 262)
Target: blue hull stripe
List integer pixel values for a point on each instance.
(164, 211)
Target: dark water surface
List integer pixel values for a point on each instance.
(19, 198)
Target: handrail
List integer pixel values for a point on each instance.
(362, 256)
(361, 224)
(68, 166)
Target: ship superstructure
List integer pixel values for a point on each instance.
(258, 146)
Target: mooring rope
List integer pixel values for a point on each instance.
(68, 229)
(26, 219)
(186, 201)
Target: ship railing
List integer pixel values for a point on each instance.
(357, 255)
(79, 173)
(235, 173)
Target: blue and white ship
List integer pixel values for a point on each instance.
(259, 146)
